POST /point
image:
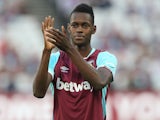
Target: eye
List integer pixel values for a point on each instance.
(74, 25)
(85, 25)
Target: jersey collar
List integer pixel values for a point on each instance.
(91, 52)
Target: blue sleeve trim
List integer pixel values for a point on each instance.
(52, 62)
(108, 60)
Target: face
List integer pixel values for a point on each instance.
(81, 28)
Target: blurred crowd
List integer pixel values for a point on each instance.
(127, 28)
(20, 46)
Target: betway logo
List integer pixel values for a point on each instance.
(73, 87)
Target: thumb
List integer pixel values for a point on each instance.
(43, 27)
(63, 30)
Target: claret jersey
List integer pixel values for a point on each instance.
(74, 97)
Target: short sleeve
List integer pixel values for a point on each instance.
(106, 59)
(52, 62)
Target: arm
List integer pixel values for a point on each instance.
(43, 78)
(98, 78)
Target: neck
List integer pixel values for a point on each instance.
(83, 50)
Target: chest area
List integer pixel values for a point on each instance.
(67, 76)
(68, 71)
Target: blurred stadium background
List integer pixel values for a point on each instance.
(128, 28)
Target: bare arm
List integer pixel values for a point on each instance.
(97, 78)
(43, 78)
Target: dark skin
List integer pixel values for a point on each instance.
(80, 29)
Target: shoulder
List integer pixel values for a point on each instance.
(58, 55)
(55, 54)
(108, 60)
(104, 53)
(107, 56)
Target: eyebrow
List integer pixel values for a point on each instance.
(80, 23)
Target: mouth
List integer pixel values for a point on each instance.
(79, 37)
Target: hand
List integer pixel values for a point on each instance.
(47, 24)
(59, 38)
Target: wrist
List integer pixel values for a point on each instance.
(70, 51)
(47, 50)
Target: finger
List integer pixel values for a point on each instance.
(52, 22)
(55, 32)
(49, 22)
(45, 23)
(63, 30)
(51, 40)
(53, 35)
(50, 35)
(42, 27)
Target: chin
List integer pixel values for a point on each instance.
(77, 42)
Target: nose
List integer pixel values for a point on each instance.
(79, 29)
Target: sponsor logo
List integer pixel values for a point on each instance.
(64, 69)
(72, 86)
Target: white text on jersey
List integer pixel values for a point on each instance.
(72, 86)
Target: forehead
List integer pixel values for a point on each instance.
(80, 17)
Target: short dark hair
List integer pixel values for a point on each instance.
(84, 8)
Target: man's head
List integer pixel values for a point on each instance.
(84, 8)
(81, 25)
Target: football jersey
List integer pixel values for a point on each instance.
(74, 97)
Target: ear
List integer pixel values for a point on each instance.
(94, 29)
